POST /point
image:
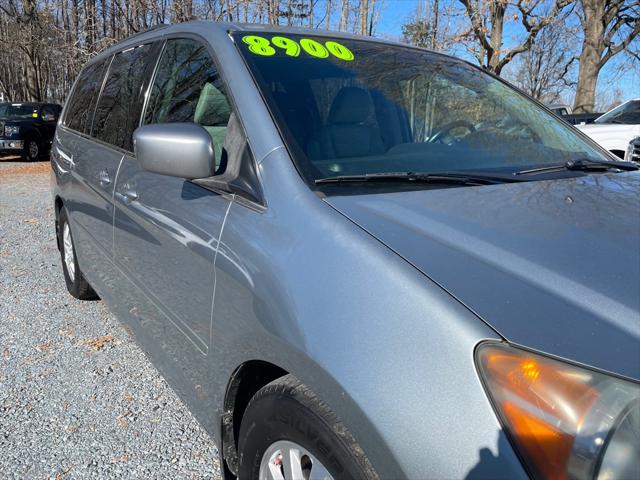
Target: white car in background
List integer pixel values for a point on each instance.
(616, 128)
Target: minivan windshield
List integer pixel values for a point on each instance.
(351, 107)
(17, 110)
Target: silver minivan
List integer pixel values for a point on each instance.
(356, 259)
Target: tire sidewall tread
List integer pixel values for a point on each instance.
(286, 409)
(79, 287)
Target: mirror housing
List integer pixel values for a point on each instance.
(183, 150)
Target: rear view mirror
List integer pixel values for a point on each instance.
(182, 150)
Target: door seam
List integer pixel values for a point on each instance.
(113, 202)
(215, 270)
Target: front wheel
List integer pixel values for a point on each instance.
(31, 150)
(287, 433)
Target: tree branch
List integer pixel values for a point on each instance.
(533, 29)
(615, 49)
(476, 25)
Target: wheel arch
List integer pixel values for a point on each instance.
(33, 133)
(243, 384)
(58, 204)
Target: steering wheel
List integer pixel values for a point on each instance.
(450, 126)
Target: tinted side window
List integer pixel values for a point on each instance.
(188, 88)
(83, 100)
(118, 111)
(49, 113)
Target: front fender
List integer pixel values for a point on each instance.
(302, 287)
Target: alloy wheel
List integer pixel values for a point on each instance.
(69, 260)
(285, 460)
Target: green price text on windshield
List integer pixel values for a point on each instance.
(263, 46)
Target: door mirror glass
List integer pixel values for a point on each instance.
(182, 150)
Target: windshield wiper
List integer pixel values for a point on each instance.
(582, 166)
(441, 178)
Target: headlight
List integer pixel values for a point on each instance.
(627, 155)
(11, 130)
(565, 422)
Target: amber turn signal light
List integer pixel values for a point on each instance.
(566, 422)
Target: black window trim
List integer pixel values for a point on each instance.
(109, 59)
(65, 111)
(104, 81)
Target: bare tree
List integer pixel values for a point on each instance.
(609, 28)
(543, 71)
(487, 21)
(608, 99)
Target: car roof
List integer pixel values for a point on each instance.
(31, 104)
(197, 25)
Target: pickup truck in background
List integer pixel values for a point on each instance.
(27, 129)
(566, 113)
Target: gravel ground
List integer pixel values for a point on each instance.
(78, 399)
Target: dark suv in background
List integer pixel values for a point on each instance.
(27, 129)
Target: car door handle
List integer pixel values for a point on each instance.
(67, 159)
(129, 193)
(103, 178)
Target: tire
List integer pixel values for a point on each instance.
(31, 150)
(288, 411)
(77, 284)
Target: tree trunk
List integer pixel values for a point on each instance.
(592, 50)
(497, 25)
(364, 16)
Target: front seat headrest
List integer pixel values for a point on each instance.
(351, 105)
(212, 108)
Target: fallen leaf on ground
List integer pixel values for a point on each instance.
(123, 458)
(98, 343)
(44, 347)
(122, 421)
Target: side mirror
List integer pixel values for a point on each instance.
(182, 150)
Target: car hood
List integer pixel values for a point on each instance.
(551, 265)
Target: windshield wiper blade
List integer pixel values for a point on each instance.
(417, 177)
(582, 166)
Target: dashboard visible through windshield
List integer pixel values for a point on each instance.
(350, 107)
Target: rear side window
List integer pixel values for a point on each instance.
(118, 111)
(188, 88)
(83, 100)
